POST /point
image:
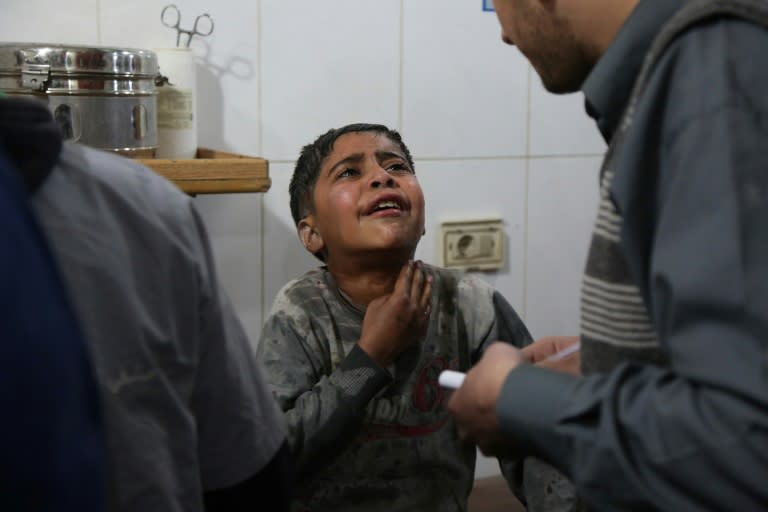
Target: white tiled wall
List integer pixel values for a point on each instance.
(562, 204)
(47, 20)
(488, 140)
(326, 64)
(478, 189)
(559, 126)
(283, 249)
(464, 94)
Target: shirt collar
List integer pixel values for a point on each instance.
(608, 86)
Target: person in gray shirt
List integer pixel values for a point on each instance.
(671, 412)
(189, 423)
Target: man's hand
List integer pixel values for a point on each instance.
(473, 405)
(396, 321)
(538, 352)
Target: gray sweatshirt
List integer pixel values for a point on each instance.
(372, 438)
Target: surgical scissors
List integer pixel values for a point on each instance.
(173, 10)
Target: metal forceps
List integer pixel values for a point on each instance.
(170, 16)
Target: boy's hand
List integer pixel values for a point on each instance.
(396, 321)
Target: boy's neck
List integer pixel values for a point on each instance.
(362, 283)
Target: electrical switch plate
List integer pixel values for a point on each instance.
(472, 244)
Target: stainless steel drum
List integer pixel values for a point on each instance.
(101, 97)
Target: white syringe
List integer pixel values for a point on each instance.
(452, 379)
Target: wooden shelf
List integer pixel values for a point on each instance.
(214, 172)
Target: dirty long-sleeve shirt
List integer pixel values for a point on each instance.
(372, 438)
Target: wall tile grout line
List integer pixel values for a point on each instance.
(259, 102)
(401, 79)
(260, 81)
(527, 195)
(99, 21)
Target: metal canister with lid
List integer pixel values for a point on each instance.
(101, 97)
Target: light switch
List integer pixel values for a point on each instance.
(472, 244)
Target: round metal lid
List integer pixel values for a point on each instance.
(78, 60)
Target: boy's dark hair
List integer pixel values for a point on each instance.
(310, 160)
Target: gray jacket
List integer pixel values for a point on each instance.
(673, 411)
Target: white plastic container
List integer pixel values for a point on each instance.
(176, 97)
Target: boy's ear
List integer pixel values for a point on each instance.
(309, 235)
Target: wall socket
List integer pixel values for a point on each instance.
(472, 244)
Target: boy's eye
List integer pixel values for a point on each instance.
(398, 167)
(347, 172)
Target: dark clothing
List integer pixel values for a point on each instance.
(51, 432)
(677, 276)
(609, 85)
(275, 480)
(616, 326)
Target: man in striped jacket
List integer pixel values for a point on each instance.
(672, 410)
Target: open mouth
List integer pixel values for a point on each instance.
(387, 204)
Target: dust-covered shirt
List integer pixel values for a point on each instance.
(373, 438)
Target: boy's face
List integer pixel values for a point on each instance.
(366, 199)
